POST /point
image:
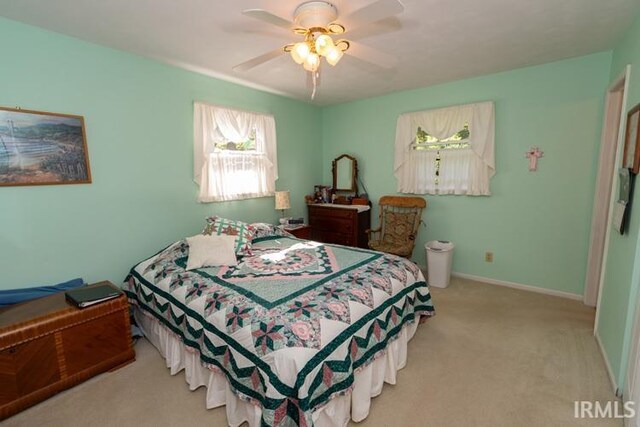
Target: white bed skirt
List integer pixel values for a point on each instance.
(368, 380)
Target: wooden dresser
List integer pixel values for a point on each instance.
(340, 224)
(48, 345)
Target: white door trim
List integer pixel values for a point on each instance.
(621, 82)
(603, 353)
(632, 363)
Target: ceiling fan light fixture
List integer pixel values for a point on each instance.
(334, 28)
(324, 44)
(334, 55)
(300, 52)
(316, 22)
(312, 62)
(342, 45)
(315, 14)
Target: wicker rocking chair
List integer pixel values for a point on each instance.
(400, 218)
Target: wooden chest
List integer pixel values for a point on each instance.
(339, 225)
(48, 345)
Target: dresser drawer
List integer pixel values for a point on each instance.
(332, 212)
(331, 224)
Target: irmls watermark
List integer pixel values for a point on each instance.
(610, 409)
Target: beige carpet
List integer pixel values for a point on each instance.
(492, 356)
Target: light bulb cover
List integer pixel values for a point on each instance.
(334, 55)
(324, 43)
(311, 62)
(300, 52)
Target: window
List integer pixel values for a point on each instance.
(424, 141)
(223, 144)
(234, 154)
(457, 141)
(446, 151)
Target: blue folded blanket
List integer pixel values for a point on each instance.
(13, 296)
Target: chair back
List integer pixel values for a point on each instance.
(400, 218)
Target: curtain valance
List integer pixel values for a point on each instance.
(442, 123)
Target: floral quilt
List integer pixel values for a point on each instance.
(290, 324)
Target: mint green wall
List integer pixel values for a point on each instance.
(537, 224)
(622, 274)
(138, 115)
(139, 120)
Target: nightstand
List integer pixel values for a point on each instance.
(301, 231)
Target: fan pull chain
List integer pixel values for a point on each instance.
(314, 79)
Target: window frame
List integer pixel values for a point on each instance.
(212, 126)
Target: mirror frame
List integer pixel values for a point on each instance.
(354, 173)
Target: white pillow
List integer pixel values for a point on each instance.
(211, 251)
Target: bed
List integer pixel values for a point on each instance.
(298, 333)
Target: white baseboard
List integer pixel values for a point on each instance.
(603, 352)
(514, 285)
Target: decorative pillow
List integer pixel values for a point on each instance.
(211, 251)
(242, 232)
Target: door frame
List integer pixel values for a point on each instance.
(632, 366)
(605, 189)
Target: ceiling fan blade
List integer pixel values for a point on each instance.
(373, 12)
(269, 18)
(384, 26)
(371, 55)
(247, 65)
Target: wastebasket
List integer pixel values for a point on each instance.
(439, 259)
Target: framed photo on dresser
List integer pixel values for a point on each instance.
(322, 194)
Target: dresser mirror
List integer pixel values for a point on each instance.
(345, 174)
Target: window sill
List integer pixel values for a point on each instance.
(233, 198)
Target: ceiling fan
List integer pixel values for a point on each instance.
(317, 22)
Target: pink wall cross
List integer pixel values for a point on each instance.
(534, 154)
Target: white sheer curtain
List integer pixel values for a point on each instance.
(419, 183)
(462, 171)
(233, 175)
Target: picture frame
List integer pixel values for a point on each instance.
(622, 208)
(42, 148)
(631, 156)
(624, 192)
(322, 194)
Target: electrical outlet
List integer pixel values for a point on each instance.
(488, 256)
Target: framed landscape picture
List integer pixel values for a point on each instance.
(38, 148)
(631, 158)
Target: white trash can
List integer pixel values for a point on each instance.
(439, 260)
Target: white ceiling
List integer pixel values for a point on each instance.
(435, 40)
